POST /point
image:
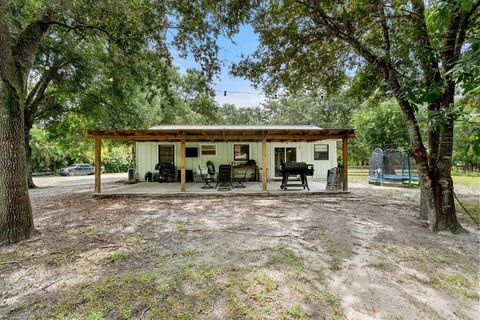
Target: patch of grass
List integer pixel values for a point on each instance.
(117, 256)
(334, 302)
(456, 284)
(183, 286)
(469, 267)
(113, 294)
(175, 290)
(430, 263)
(382, 265)
(261, 292)
(296, 312)
(462, 179)
(466, 180)
(425, 307)
(424, 257)
(287, 258)
(7, 260)
(460, 285)
(357, 175)
(133, 239)
(264, 279)
(473, 208)
(203, 273)
(189, 252)
(337, 249)
(62, 258)
(255, 286)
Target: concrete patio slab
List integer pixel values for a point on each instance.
(155, 189)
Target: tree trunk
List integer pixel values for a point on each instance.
(436, 185)
(16, 221)
(437, 204)
(440, 165)
(28, 153)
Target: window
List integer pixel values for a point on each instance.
(166, 153)
(320, 152)
(208, 150)
(241, 152)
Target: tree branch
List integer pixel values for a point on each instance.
(381, 65)
(81, 26)
(386, 33)
(455, 35)
(428, 61)
(28, 42)
(7, 62)
(464, 26)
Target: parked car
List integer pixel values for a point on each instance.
(77, 169)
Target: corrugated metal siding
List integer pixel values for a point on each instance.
(147, 155)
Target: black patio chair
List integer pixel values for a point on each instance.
(239, 178)
(207, 178)
(224, 178)
(211, 169)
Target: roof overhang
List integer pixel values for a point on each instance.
(226, 134)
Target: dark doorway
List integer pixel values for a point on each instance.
(166, 153)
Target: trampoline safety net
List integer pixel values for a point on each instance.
(392, 166)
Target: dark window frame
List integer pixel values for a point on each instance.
(241, 145)
(321, 155)
(173, 153)
(208, 154)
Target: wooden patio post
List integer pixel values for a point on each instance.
(264, 164)
(98, 164)
(345, 162)
(182, 166)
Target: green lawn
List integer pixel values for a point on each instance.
(357, 175)
(361, 175)
(467, 181)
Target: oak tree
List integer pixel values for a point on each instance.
(413, 46)
(27, 27)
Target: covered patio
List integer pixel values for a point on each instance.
(184, 134)
(194, 189)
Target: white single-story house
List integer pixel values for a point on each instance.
(244, 147)
(322, 153)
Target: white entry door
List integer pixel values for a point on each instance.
(283, 154)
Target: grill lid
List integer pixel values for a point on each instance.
(294, 166)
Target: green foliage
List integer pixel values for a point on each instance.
(229, 114)
(421, 51)
(381, 125)
(45, 154)
(466, 150)
(117, 159)
(312, 109)
(63, 144)
(110, 66)
(309, 109)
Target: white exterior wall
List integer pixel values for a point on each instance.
(147, 155)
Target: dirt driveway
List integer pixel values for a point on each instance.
(358, 256)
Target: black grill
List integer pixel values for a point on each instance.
(296, 168)
(166, 172)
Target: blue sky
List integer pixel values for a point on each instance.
(244, 42)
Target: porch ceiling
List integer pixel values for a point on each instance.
(224, 134)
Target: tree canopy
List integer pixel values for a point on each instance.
(381, 126)
(105, 57)
(422, 52)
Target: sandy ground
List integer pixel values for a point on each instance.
(359, 256)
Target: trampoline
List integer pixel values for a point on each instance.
(392, 166)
